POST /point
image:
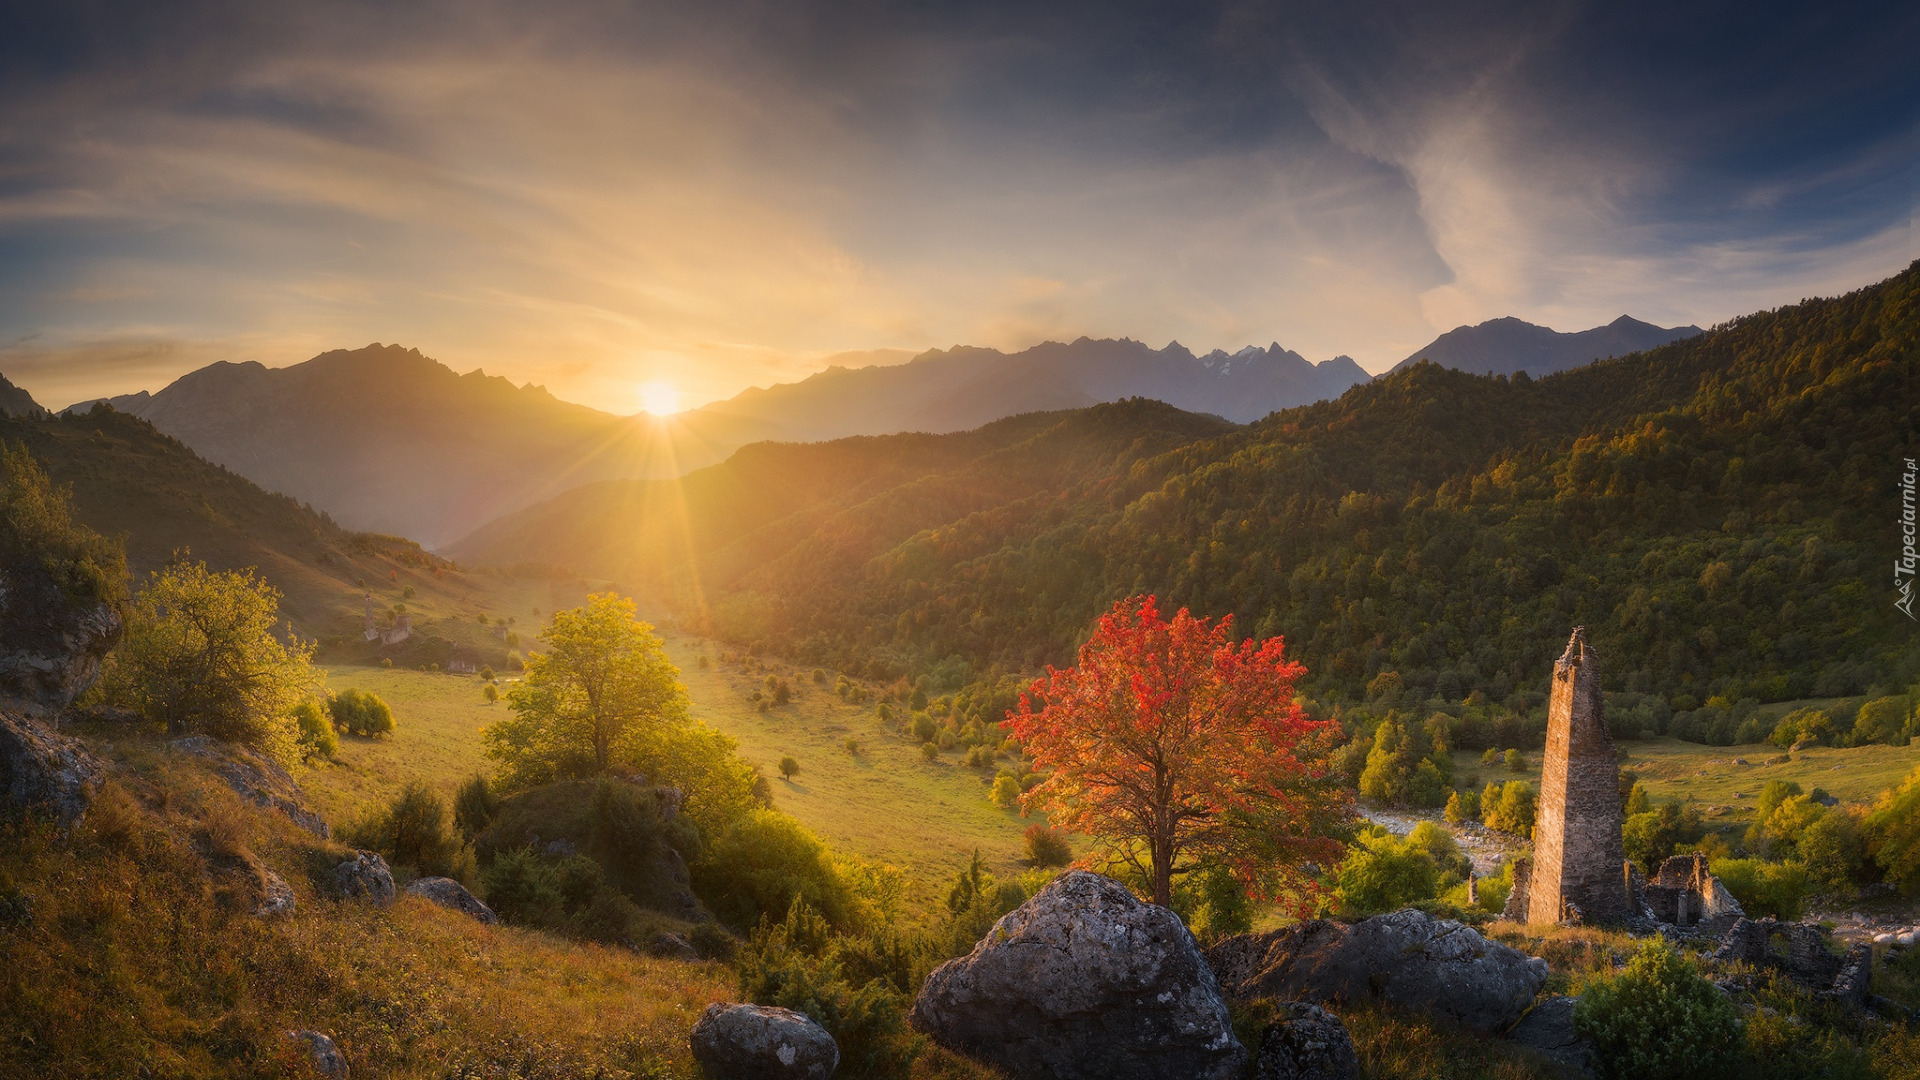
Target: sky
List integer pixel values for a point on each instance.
(612, 198)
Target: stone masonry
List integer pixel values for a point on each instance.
(1577, 857)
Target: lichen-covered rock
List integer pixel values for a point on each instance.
(1306, 1043)
(50, 646)
(276, 896)
(760, 1042)
(257, 778)
(1408, 957)
(326, 1058)
(1084, 981)
(44, 771)
(449, 893)
(365, 876)
(1548, 1030)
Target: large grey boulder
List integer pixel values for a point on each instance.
(1408, 958)
(44, 771)
(1081, 982)
(1548, 1030)
(257, 778)
(365, 876)
(449, 893)
(1306, 1043)
(760, 1042)
(51, 645)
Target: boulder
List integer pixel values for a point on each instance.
(449, 893)
(671, 946)
(326, 1058)
(50, 645)
(760, 1042)
(45, 771)
(1306, 1043)
(1408, 958)
(257, 778)
(365, 875)
(1084, 981)
(276, 896)
(1548, 1030)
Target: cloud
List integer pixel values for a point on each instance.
(591, 195)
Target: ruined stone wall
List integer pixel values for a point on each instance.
(1577, 856)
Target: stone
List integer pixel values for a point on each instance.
(326, 1058)
(256, 778)
(1515, 909)
(671, 946)
(44, 771)
(365, 876)
(1306, 1043)
(1084, 981)
(1908, 938)
(760, 1042)
(53, 645)
(1683, 893)
(1854, 985)
(1548, 1030)
(1577, 853)
(1408, 958)
(449, 893)
(276, 896)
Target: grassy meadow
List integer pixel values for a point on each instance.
(885, 804)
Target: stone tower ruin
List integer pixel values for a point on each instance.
(1577, 856)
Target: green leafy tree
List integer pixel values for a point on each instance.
(317, 735)
(1893, 831)
(602, 691)
(1882, 720)
(1006, 790)
(1382, 872)
(201, 655)
(1777, 889)
(788, 768)
(37, 528)
(361, 712)
(490, 692)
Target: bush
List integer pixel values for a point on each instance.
(1515, 761)
(1883, 720)
(1509, 807)
(1659, 1019)
(37, 528)
(1462, 806)
(1777, 889)
(1006, 790)
(1048, 846)
(980, 757)
(1834, 851)
(361, 712)
(1490, 757)
(760, 864)
(798, 965)
(789, 768)
(317, 737)
(475, 805)
(1382, 873)
(1893, 834)
(416, 830)
(930, 751)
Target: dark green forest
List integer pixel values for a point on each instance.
(1719, 513)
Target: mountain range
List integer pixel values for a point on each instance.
(1506, 346)
(386, 439)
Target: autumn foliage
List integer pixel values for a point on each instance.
(1178, 749)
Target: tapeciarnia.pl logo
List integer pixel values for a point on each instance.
(1903, 566)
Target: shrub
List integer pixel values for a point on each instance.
(930, 751)
(1659, 1019)
(1834, 851)
(361, 712)
(317, 737)
(475, 805)
(1515, 761)
(1893, 834)
(797, 965)
(417, 830)
(37, 528)
(1882, 720)
(1006, 790)
(1381, 873)
(980, 757)
(1462, 806)
(851, 746)
(1509, 807)
(760, 863)
(1764, 888)
(1490, 757)
(924, 728)
(1048, 846)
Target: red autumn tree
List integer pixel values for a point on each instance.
(1170, 741)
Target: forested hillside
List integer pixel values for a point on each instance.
(1717, 511)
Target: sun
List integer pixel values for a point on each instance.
(659, 397)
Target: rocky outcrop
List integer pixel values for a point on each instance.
(449, 893)
(43, 771)
(1548, 1030)
(322, 1054)
(1306, 1043)
(51, 647)
(258, 779)
(671, 946)
(1084, 981)
(1408, 958)
(276, 896)
(759, 1042)
(365, 876)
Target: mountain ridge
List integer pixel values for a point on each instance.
(1507, 345)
